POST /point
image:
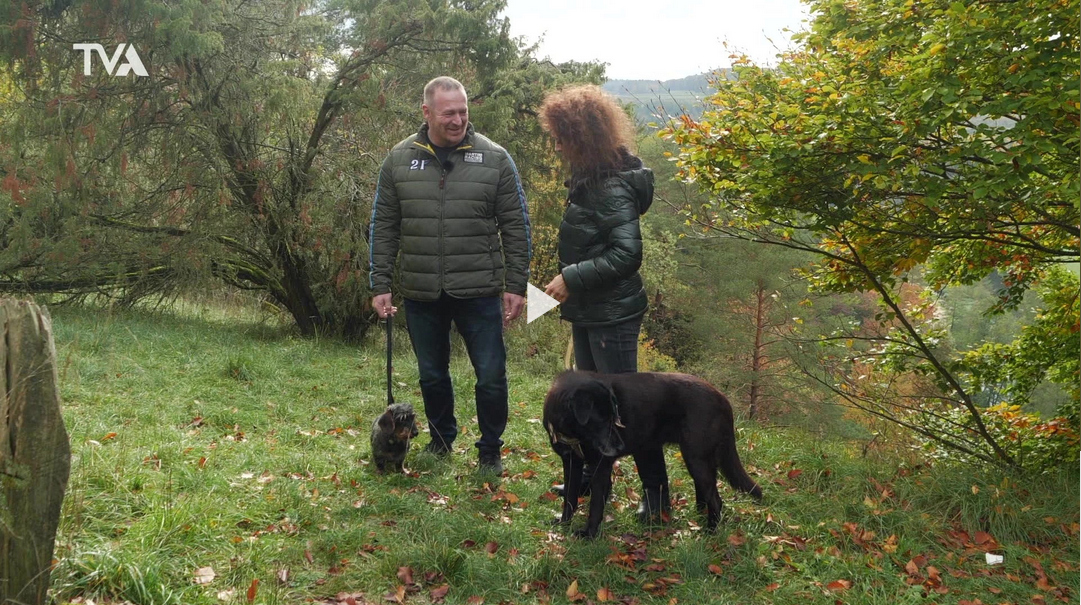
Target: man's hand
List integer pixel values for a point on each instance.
(382, 306)
(512, 307)
(557, 289)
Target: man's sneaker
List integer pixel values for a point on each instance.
(437, 448)
(490, 463)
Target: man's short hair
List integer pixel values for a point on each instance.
(440, 83)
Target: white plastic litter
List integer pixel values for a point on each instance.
(994, 559)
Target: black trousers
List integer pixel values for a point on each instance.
(614, 350)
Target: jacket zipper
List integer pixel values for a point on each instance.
(442, 201)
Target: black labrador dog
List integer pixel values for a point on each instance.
(598, 418)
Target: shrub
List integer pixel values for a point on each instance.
(1036, 444)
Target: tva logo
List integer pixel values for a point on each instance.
(134, 64)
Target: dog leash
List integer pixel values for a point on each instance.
(390, 349)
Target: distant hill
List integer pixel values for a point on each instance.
(655, 99)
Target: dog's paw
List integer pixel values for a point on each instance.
(584, 533)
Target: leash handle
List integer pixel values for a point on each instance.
(390, 349)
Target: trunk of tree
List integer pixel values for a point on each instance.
(296, 293)
(35, 456)
(758, 354)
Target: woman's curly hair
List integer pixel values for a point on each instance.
(591, 127)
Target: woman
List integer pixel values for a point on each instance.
(600, 249)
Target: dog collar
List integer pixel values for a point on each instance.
(615, 411)
(575, 444)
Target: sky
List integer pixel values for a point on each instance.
(656, 39)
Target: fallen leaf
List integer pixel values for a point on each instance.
(572, 592)
(475, 600)
(254, 588)
(772, 587)
(439, 592)
(604, 595)
(204, 575)
(108, 436)
(792, 474)
(308, 557)
(491, 548)
(736, 539)
(405, 574)
(715, 569)
(839, 585)
(283, 575)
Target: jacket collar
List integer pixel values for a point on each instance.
(424, 141)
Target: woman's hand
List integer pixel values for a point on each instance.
(557, 289)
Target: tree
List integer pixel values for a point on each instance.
(911, 140)
(249, 152)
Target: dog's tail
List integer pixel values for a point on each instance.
(732, 468)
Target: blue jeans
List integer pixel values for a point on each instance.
(480, 322)
(614, 350)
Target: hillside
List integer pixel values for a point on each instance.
(655, 99)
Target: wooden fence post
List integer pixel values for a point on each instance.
(35, 456)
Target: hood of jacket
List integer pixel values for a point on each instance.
(632, 172)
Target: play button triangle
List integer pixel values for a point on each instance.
(537, 303)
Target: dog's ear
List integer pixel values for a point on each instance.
(592, 398)
(583, 407)
(386, 421)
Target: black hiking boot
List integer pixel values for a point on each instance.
(437, 448)
(490, 463)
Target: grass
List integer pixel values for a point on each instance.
(211, 439)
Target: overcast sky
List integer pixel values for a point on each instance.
(656, 39)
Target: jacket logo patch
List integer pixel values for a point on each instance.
(418, 164)
(474, 157)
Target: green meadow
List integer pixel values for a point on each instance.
(219, 458)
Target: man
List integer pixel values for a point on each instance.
(450, 201)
